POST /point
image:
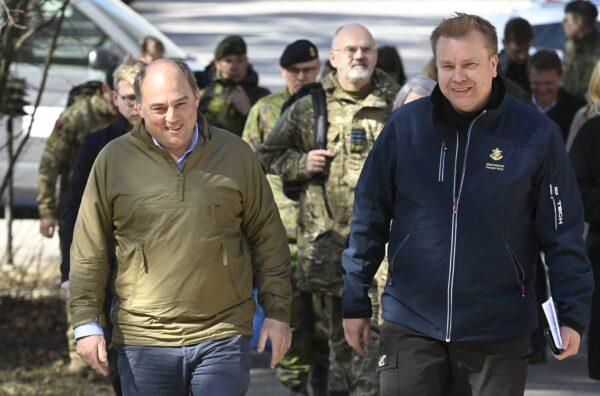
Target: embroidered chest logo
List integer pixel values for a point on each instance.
(496, 155)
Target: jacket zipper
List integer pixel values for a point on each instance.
(519, 271)
(180, 184)
(391, 263)
(455, 202)
(443, 149)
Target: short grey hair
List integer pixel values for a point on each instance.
(419, 84)
(181, 65)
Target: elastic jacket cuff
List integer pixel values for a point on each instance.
(357, 314)
(572, 324)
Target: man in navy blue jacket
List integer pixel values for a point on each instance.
(467, 186)
(124, 99)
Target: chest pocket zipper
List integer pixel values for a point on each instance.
(441, 166)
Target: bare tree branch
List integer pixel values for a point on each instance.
(38, 99)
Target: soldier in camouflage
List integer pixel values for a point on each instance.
(359, 101)
(300, 65)
(90, 108)
(226, 101)
(89, 111)
(582, 48)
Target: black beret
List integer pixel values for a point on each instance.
(230, 45)
(298, 51)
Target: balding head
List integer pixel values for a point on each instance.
(160, 67)
(353, 54)
(351, 29)
(167, 99)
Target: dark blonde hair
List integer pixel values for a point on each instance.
(461, 25)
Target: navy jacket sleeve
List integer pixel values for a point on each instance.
(370, 227)
(81, 170)
(559, 224)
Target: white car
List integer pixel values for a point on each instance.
(92, 29)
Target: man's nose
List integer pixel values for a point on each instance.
(171, 116)
(458, 75)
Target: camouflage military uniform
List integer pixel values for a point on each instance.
(579, 59)
(219, 111)
(294, 369)
(86, 114)
(326, 207)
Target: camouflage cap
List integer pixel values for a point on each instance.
(230, 45)
(298, 51)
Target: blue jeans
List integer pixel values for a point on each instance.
(220, 367)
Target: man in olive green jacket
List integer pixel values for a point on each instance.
(193, 222)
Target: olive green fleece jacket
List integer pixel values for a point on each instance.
(189, 243)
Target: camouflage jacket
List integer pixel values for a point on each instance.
(579, 59)
(261, 120)
(219, 111)
(86, 114)
(326, 202)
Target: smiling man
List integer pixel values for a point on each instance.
(466, 186)
(194, 224)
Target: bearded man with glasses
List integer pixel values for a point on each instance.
(359, 101)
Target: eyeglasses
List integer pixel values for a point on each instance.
(351, 51)
(297, 70)
(127, 98)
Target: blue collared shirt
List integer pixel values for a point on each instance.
(93, 328)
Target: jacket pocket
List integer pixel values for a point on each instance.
(139, 263)
(237, 268)
(392, 261)
(518, 268)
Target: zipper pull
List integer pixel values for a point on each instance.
(455, 207)
(444, 145)
(390, 278)
(522, 289)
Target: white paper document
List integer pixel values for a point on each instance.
(552, 319)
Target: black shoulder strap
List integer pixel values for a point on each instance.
(321, 123)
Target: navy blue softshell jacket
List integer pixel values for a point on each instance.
(461, 258)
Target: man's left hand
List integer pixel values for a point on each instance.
(358, 333)
(281, 339)
(571, 340)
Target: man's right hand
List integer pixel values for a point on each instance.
(316, 161)
(66, 289)
(47, 227)
(92, 349)
(358, 333)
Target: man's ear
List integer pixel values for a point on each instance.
(494, 64)
(139, 108)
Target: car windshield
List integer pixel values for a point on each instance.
(137, 26)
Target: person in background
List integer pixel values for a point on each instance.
(151, 49)
(227, 100)
(124, 100)
(545, 76)
(591, 109)
(582, 48)
(359, 101)
(388, 60)
(585, 155)
(512, 60)
(416, 88)
(299, 64)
